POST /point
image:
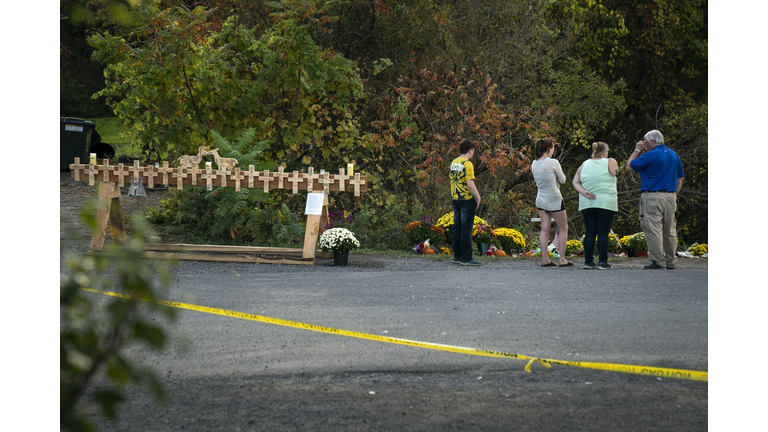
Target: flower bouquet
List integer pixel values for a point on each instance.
(418, 231)
(484, 234)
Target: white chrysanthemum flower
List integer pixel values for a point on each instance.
(338, 240)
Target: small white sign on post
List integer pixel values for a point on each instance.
(314, 204)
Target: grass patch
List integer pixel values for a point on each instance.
(109, 128)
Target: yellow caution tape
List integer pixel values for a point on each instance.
(640, 370)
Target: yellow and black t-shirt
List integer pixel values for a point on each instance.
(462, 170)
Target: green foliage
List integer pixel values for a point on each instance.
(94, 334)
(393, 86)
(172, 84)
(381, 226)
(223, 215)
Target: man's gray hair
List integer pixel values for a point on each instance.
(654, 136)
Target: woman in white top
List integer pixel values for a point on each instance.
(547, 173)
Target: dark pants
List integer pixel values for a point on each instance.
(598, 223)
(463, 223)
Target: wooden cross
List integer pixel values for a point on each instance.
(295, 180)
(193, 174)
(251, 174)
(223, 173)
(237, 177)
(265, 178)
(209, 176)
(90, 170)
(310, 176)
(76, 167)
(341, 178)
(121, 173)
(280, 176)
(357, 182)
(151, 174)
(106, 169)
(180, 175)
(165, 170)
(326, 180)
(136, 171)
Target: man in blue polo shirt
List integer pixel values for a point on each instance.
(661, 177)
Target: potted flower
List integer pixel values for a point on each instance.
(338, 241)
(637, 244)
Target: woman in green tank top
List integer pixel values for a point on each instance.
(595, 181)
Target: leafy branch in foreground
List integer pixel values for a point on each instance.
(95, 330)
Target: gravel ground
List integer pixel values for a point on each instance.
(444, 397)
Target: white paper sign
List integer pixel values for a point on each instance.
(314, 204)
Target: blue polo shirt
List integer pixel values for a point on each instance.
(659, 169)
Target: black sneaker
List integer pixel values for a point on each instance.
(590, 265)
(604, 266)
(670, 266)
(473, 262)
(653, 266)
(456, 261)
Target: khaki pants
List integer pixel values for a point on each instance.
(657, 219)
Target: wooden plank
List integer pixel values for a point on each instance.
(182, 247)
(315, 225)
(102, 216)
(229, 258)
(117, 227)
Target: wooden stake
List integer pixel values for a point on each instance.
(209, 176)
(313, 230)
(265, 178)
(76, 167)
(108, 210)
(105, 168)
(223, 173)
(237, 177)
(194, 173)
(180, 175)
(136, 171)
(311, 176)
(326, 180)
(357, 182)
(91, 171)
(165, 170)
(280, 176)
(151, 174)
(341, 178)
(250, 175)
(121, 173)
(295, 180)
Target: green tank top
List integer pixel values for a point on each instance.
(596, 179)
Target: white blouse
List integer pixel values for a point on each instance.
(547, 172)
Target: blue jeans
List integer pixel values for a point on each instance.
(598, 223)
(463, 223)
